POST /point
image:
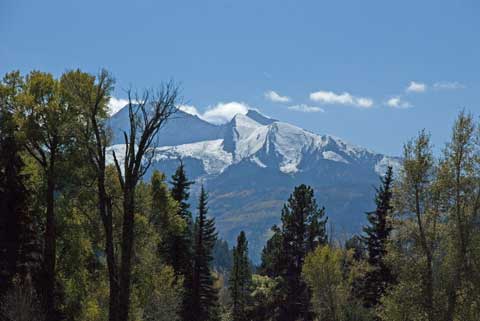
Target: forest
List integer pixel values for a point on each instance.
(83, 236)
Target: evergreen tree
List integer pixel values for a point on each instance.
(303, 229)
(164, 217)
(272, 254)
(240, 280)
(19, 248)
(202, 301)
(181, 249)
(222, 256)
(180, 192)
(376, 237)
(12, 200)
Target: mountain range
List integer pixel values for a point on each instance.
(251, 164)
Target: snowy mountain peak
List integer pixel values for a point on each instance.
(255, 138)
(251, 163)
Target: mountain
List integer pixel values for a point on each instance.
(251, 164)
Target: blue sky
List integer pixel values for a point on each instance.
(371, 72)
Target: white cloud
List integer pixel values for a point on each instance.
(275, 97)
(224, 112)
(306, 109)
(416, 87)
(115, 104)
(329, 97)
(189, 109)
(448, 85)
(397, 102)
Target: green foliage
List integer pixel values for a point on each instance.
(303, 229)
(240, 280)
(263, 298)
(330, 285)
(165, 297)
(377, 234)
(202, 299)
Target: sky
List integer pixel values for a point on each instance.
(372, 72)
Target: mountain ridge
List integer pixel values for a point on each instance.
(251, 164)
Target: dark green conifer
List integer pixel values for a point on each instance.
(303, 229)
(202, 302)
(20, 253)
(181, 244)
(376, 237)
(240, 280)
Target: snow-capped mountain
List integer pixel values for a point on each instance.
(251, 164)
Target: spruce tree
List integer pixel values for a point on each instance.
(202, 301)
(181, 249)
(303, 229)
(180, 192)
(240, 280)
(377, 234)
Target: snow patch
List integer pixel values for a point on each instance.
(214, 158)
(329, 155)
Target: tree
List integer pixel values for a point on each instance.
(181, 246)
(13, 194)
(202, 299)
(415, 202)
(165, 298)
(377, 234)
(91, 95)
(240, 280)
(330, 273)
(272, 254)
(164, 218)
(263, 305)
(323, 274)
(180, 192)
(46, 122)
(146, 117)
(303, 229)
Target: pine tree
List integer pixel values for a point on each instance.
(303, 229)
(271, 265)
(202, 301)
(181, 249)
(376, 237)
(240, 280)
(180, 192)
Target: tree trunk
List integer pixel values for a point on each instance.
(127, 247)
(105, 209)
(50, 246)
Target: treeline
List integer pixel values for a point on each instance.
(84, 235)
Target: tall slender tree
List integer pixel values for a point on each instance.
(240, 280)
(303, 229)
(181, 192)
(377, 234)
(202, 301)
(46, 121)
(146, 114)
(91, 94)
